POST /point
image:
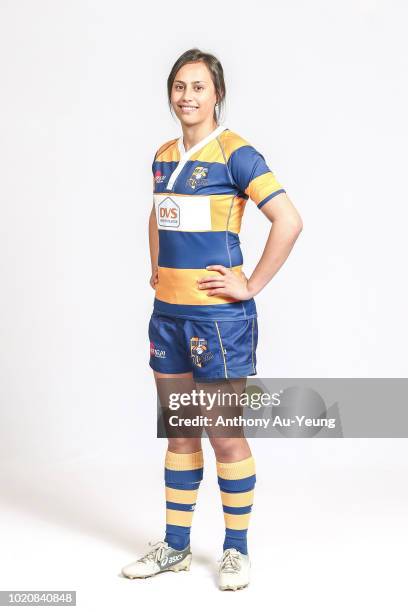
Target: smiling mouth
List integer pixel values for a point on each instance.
(187, 108)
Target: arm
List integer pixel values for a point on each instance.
(286, 227)
(154, 247)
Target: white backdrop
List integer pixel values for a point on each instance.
(320, 89)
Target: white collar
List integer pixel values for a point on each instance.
(199, 145)
(185, 155)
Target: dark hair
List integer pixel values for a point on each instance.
(216, 71)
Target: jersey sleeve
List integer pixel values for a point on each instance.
(252, 176)
(153, 170)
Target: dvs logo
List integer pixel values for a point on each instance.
(169, 213)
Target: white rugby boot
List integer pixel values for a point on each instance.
(161, 558)
(233, 572)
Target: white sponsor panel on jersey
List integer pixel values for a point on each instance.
(183, 213)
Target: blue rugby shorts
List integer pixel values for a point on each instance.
(209, 349)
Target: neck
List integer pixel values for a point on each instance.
(192, 134)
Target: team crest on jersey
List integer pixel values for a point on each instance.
(198, 177)
(199, 352)
(169, 213)
(159, 177)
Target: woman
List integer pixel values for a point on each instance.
(204, 322)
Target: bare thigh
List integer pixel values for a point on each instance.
(232, 447)
(180, 383)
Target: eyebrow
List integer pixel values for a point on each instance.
(178, 81)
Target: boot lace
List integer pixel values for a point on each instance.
(157, 552)
(230, 561)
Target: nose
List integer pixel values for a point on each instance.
(187, 97)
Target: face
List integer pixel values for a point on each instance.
(193, 94)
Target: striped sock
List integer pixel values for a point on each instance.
(183, 473)
(237, 482)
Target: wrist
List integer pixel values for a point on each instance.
(252, 289)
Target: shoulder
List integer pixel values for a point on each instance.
(232, 142)
(238, 150)
(240, 154)
(167, 146)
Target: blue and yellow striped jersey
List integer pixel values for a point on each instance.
(199, 198)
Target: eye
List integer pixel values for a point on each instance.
(199, 87)
(177, 87)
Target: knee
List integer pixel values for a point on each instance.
(183, 445)
(230, 449)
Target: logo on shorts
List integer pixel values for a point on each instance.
(169, 213)
(159, 177)
(155, 352)
(199, 352)
(198, 177)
